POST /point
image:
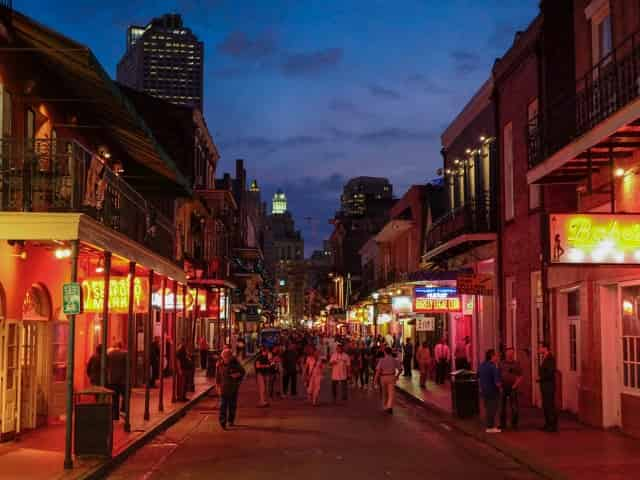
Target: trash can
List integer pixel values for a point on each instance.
(464, 393)
(93, 426)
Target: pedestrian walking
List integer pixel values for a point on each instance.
(443, 354)
(547, 379)
(407, 358)
(365, 364)
(290, 366)
(263, 372)
(117, 377)
(489, 377)
(315, 378)
(511, 377)
(423, 356)
(203, 346)
(230, 375)
(340, 363)
(387, 373)
(93, 367)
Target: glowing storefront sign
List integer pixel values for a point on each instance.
(156, 299)
(594, 238)
(400, 305)
(93, 294)
(436, 300)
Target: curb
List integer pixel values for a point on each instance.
(101, 470)
(464, 427)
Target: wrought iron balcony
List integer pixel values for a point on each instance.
(60, 175)
(608, 87)
(476, 216)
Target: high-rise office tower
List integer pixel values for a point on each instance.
(165, 60)
(366, 196)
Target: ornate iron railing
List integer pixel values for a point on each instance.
(476, 216)
(608, 87)
(60, 175)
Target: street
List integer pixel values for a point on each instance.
(292, 439)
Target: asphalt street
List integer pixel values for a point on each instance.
(292, 439)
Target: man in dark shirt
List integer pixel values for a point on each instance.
(407, 358)
(117, 377)
(490, 388)
(290, 370)
(263, 372)
(547, 379)
(155, 362)
(230, 375)
(511, 377)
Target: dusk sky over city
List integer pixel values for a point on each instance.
(311, 93)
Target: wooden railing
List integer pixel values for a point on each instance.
(608, 87)
(60, 175)
(476, 216)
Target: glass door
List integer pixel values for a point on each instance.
(28, 374)
(9, 379)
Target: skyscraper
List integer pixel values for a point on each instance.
(279, 203)
(165, 60)
(366, 196)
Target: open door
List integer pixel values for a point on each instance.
(569, 347)
(9, 379)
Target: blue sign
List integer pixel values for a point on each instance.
(436, 292)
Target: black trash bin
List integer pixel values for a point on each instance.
(93, 426)
(464, 393)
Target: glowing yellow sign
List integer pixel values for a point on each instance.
(594, 238)
(93, 294)
(156, 299)
(437, 305)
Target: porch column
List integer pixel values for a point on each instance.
(68, 459)
(105, 319)
(174, 334)
(162, 346)
(148, 331)
(194, 315)
(131, 333)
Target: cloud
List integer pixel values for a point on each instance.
(384, 136)
(465, 62)
(307, 63)
(270, 145)
(382, 92)
(426, 84)
(239, 45)
(343, 106)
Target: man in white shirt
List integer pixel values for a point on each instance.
(387, 373)
(340, 363)
(442, 354)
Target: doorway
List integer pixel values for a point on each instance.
(569, 347)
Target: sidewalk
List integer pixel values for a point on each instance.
(39, 454)
(577, 452)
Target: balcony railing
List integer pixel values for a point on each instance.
(60, 175)
(608, 87)
(476, 216)
(5, 4)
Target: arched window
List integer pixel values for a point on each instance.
(36, 304)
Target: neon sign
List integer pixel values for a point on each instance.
(170, 302)
(93, 295)
(594, 238)
(429, 299)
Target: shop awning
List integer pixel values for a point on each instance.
(212, 282)
(76, 226)
(431, 276)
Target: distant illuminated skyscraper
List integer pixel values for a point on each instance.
(279, 203)
(165, 60)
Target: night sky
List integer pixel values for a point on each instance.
(312, 92)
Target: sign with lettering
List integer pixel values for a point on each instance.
(475, 284)
(425, 324)
(401, 305)
(436, 299)
(93, 294)
(595, 238)
(71, 298)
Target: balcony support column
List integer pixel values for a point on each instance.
(131, 333)
(148, 332)
(590, 177)
(105, 319)
(612, 176)
(163, 289)
(174, 334)
(68, 459)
